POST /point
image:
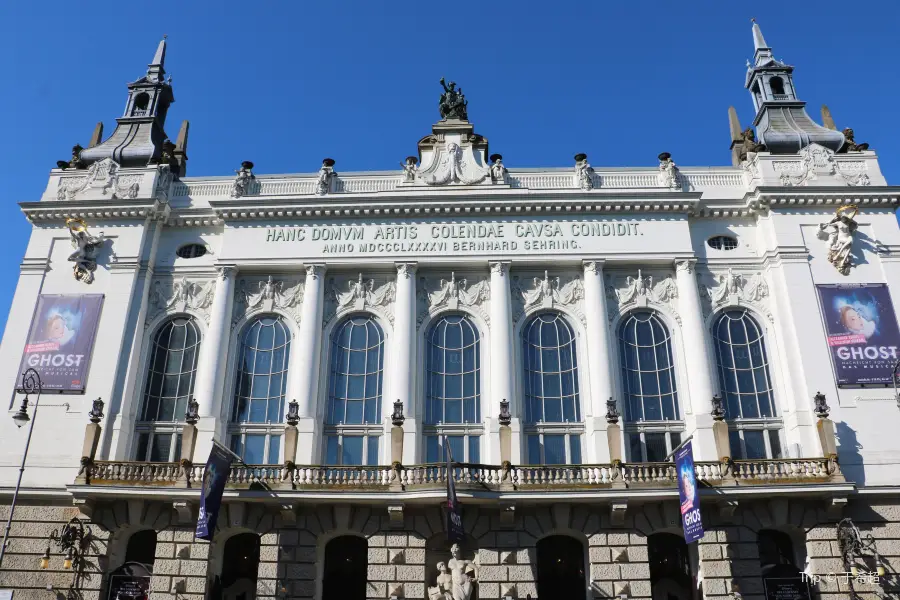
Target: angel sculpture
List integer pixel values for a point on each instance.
(85, 255)
(839, 234)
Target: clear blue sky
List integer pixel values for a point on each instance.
(285, 84)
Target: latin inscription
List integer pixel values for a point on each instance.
(453, 238)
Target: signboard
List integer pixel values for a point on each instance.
(455, 532)
(215, 475)
(61, 340)
(687, 492)
(131, 581)
(786, 588)
(462, 236)
(862, 332)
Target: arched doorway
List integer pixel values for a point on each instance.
(240, 568)
(345, 573)
(142, 548)
(560, 568)
(670, 567)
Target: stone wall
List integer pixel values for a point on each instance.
(401, 550)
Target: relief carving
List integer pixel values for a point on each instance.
(734, 288)
(548, 292)
(103, 176)
(267, 296)
(171, 296)
(360, 294)
(451, 294)
(630, 291)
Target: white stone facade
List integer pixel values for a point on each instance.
(593, 246)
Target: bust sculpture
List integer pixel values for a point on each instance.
(452, 104)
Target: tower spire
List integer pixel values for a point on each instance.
(759, 41)
(762, 51)
(156, 69)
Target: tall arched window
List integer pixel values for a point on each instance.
(262, 366)
(170, 382)
(552, 408)
(652, 418)
(453, 389)
(746, 386)
(353, 413)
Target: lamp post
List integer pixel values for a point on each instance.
(31, 384)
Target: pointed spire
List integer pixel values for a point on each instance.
(156, 69)
(827, 119)
(759, 42)
(97, 136)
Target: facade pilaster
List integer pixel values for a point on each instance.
(501, 373)
(599, 371)
(697, 358)
(403, 359)
(209, 389)
(308, 352)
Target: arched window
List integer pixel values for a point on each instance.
(170, 382)
(262, 365)
(453, 389)
(552, 407)
(777, 86)
(560, 568)
(670, 567)
(240, 569)
(142, 548)
(141, 102)
(776, 554)
(353, 414)
(746, 386)
(652, 418)
(345, 569)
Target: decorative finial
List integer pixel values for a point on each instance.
(505, 417)
(397, 417)
(192, 414)
(718, 410)
(293, 415)
(821, 406)
(753, 19)
(612, 412)
(96, 413)
(165, 36)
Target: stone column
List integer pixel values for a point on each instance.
(402, 363)
(307, 352)
(598, 369)
(209, 387)
(697, 361)
(501, 374)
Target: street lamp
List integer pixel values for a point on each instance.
(31, 384)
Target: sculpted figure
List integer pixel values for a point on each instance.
(452, 104)
(839, 234)
(498, 171)
(409, 169)
(85, 255)
(850, 144)
(583, 172)
(444, 588)
(323, 179)
(667, 177)
(462, 574)
(749, 144)
(242, 180)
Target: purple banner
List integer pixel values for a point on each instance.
(862, 332)
(687, 492)
(61, 340)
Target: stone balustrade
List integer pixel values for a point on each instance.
(474, 476)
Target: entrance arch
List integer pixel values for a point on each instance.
(561, 568)
(670, 567)
(345, 569)
(240, 567)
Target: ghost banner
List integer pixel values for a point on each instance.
(862, 332)
(61, 340)
(691, 521)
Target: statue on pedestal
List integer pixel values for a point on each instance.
(453, 104)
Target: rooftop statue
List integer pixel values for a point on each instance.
(453, 104)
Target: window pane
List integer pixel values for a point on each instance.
(352, 450)
(372, 450)
(554, 449)
(162, 444)
(755, 444)
(176, 456)
(474, 449)
(534, 449)
(331, 450)
(775, 443)
(254, 449)
(550, 370)
(734, 439)
(636, 447)
(676, 439)
(236, 445)
(656, 447)
(575, 449)
(456, 447)
(143, 440)
(432, 449)
(647, 368)
(274, 449)
(743, 371)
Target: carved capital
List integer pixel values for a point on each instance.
(229, 272)
(315, 271)
(685, 266)
(592, 267)
(499, 268)
(406, 270)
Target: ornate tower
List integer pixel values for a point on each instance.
(781, 120)
(139, 135)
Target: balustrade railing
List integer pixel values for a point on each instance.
(495, 477)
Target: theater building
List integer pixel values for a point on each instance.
(562, 329)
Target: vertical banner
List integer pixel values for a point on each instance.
(862, 332)
(215, 475)
(61, 340)
(455, 531)
(687, 492)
